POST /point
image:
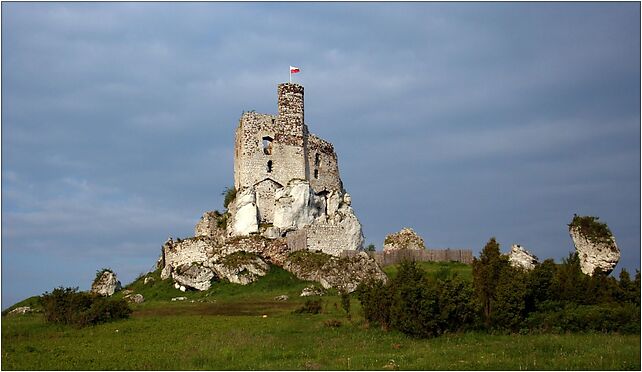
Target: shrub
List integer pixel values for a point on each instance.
(229, 194)
(376, 300)
(345, 302)
(310, 307)
(68, 306)
(593, 230)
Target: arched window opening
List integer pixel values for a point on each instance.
(317, 159)
(269, 166)
(316, 173)
(267, 145)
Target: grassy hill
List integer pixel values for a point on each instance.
(244, 327)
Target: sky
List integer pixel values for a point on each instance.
(463, 121)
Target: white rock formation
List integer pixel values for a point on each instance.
(135, 298)
(241, 270)
(208, 226)
(312, 291)
(22, 310)
(407, 238)
(194, 276)
(602, 254)
(245, 213)
(520, 257)
(106, 284)
(294, 206)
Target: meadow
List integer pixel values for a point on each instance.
(232, 327)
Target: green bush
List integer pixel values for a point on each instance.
(417, 304)
(571, 317)
(229, 194)
(309, 307)
(68, 306)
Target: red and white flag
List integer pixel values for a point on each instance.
(294, 70)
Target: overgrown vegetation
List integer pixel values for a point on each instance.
(309, 307)
(68, 306)
(311, 260)
(100, 273)
(550, 298)
(593, 230)
(229, 194)
(418, 304)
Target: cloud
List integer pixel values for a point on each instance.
(460, 120)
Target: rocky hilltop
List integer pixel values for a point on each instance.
(288, 208)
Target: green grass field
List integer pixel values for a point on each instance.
(236, 327)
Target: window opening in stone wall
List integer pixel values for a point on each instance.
(267, 145)
(317, 159)
(269, 166)
(316, 173)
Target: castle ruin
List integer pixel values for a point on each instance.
(287, 181)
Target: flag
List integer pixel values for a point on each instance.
(294, 70)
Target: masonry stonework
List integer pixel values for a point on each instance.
(274, 152)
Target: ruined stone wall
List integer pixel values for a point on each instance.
(281, 160)
(176, 253)
(265, 200)
(324, 167)
(285, 155)
(297, 240)
(330, 239)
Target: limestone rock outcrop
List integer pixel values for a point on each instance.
(241, 268)
(244, 213)
(407, 238)
(208, 226)
(343, 273)
(296, 206)
(595, 245)
(21, 310)
(106, 283)
(193, 275)
(135, 298)
(520, 257)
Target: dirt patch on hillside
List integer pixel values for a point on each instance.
(229, 309)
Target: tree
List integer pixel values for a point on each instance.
(370, 248)
(486, 274)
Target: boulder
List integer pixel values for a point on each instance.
(241, 268)
(244, 213)
(193, 275)
(281, 298)
(407, 238)
(520, 257)
(22, 310)
(148, 280)
(312, 291)
(135, 298)
(595, 245)
(106, 283)
(179, 298)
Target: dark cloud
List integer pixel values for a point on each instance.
(460, 120)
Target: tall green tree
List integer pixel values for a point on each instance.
(486, 274)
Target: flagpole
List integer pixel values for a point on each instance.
(290, 75)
